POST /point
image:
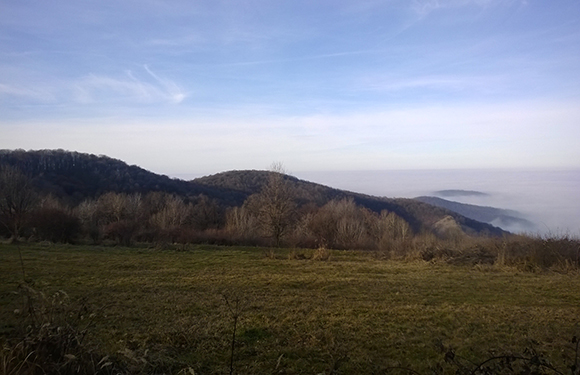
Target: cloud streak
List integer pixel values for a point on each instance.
(35, 94)
(425, 7)
(98, 88)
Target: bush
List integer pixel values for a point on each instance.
(541, 252)
(55, 225)
(123, 232)
(321, 253)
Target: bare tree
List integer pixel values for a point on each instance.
(119, 216)
(241, 223)
(17, 199)
(340, 224)
(174, 213)
(274, 206)
(88, 213)
(391, 233)
(207, 214)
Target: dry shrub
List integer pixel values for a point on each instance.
(428, 247)
(464, 250)
(477, 255)
(190, 235)
(55, 225)
(295, 254)
(123, 232)
(530, 253)
(269, 253)
(51, 338)
(540, 252)
(321, 253)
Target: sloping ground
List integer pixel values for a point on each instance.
(490, 215)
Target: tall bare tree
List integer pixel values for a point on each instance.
(274, 206)
(17, 199)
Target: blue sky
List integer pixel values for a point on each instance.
(198, 87)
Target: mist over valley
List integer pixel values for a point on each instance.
(546, 200)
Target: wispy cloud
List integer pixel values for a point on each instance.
(303, 58)
(171, 88)
(425, 7)
(21, 92)
(442, 83)
(178, 41)
(95, 88)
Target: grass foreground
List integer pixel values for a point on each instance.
(143, 310)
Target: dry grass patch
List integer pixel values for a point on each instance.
(353, 314)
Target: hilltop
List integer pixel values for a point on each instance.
(420, 215)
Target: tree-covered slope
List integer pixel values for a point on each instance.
(74, 176)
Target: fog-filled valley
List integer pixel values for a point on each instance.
(547, 198)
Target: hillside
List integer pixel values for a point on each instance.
(76, 176)
(484, 214)
(420, 215)
(73, 177)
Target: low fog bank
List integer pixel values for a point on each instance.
(549, 199)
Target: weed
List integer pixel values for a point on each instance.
(269, 253)
(49, 339)
(528, 362)
(234, 309)
(296, 254)
(321, 253)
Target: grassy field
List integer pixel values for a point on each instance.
(166, 311)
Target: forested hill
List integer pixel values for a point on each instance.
(419, 215)
(73, 177)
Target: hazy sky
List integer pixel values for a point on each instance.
(205, 86)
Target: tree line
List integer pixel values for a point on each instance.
(272, 217)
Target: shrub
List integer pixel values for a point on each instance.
(123, 232)
(541, 251)
(55, 225)
(321, 253)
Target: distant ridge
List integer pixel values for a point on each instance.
(459, 193)
(74, 176)
(495, 216)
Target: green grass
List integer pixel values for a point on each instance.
(351, 314)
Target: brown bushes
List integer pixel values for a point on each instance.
(55, 225)
(541, 252)
(528, 253)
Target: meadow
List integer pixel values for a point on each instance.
(187, 309)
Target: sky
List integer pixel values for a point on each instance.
(198, 87)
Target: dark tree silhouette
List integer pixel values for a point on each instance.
(17, 199)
